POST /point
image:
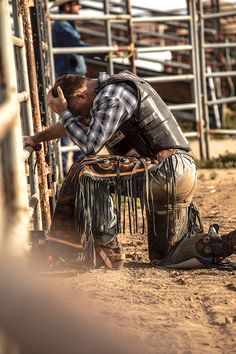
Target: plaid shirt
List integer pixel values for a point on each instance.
(112, 106)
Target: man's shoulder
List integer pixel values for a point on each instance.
(127, 86)
(61, 25)
(121, 92)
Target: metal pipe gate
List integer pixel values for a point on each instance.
(13, 188)
(31, 37)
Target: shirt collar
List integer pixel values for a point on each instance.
(102, 77)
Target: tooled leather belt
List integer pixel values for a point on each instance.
(164, 154)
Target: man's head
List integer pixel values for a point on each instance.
(78, 92)
(66, 6)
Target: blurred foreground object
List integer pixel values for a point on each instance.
(40, 320)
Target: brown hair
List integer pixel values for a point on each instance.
(69, 84)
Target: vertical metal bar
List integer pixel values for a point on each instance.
(205, 74)
(56, 145)
(204, 83)
(42, 168)
(38, 29)
(197, 74)
(14, 234)
(38, 50)
(23, 85)
(50, 45)
(130, 33)
(108, 36)
(213, 97)
(2, 191)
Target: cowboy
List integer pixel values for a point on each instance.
(150, 159)
(66, 34)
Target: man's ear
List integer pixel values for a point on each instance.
(81, 94)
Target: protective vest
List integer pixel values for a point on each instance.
(151, 128)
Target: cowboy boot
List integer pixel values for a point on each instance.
(111, 255)
(216, 246)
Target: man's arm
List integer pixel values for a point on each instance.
(55, 131)
(111, 107)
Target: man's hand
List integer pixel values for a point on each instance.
(57, 104)
(30, 141)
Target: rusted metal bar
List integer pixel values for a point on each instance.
(42, 168)
(221, 131)
(39, 28)
(108, 37)
(36, 24)
(26, 112)
(130, 30)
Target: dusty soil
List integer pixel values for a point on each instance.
(217, 146)
(169, 311)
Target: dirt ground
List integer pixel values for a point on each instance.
(169, 311)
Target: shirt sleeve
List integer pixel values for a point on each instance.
(111, 107)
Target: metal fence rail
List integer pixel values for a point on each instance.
(36, 114)
(23, 108)
(207, 75)
(133, 51)
(195, 49)
(193, 77)
(34, 74)
(27, 119)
